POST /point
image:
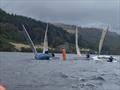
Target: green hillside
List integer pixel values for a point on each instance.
(11, 31)
(89, 38)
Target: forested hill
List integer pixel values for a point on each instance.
(11, 31)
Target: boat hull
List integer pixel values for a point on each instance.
(42, 57)
(103, 58)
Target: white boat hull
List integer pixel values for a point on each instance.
(103, 58)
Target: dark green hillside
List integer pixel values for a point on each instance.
(89, 38)
(11, 31)
(11, 25)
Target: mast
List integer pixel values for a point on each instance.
(30, 42)
(102, 39)
(76, 42)
(45, 47)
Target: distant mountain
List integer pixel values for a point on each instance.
(59, 35)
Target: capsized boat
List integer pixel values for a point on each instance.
(39, 56)
(103, 57)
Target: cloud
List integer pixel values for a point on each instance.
(79, 12)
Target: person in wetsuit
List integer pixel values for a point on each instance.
(46, 52)
(53, 55)
(87, 55)
(110, 59)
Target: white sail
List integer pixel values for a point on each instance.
(102, 40)
(76, 41)
(29, 40)
(45, 47)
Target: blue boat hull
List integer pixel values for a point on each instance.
(42, 57)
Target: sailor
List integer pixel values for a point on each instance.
(53, 55)
(87, 55)
(46, 52)
(110, 59)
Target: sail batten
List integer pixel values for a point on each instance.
(102, 40)
(30, 42)
(76, 41)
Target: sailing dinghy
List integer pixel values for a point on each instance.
(38, 56)
(79, 56)
(102, 57)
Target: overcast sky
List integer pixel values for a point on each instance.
(78, 12)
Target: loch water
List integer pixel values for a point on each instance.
(20, 71)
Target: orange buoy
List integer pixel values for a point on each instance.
(2, 87)
(64, 54)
